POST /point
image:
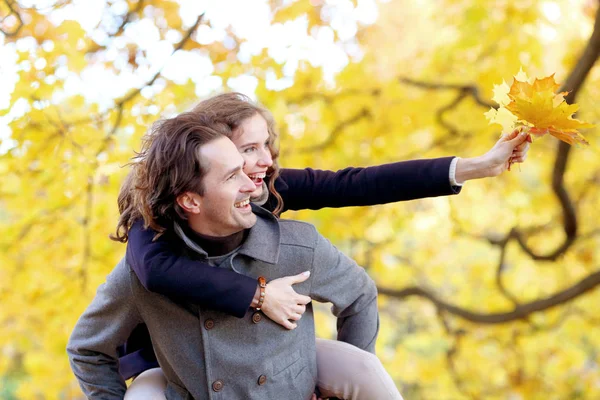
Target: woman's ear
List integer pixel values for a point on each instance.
(189, 202)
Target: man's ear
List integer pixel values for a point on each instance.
(190, 202)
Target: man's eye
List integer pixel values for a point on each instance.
(231, 177)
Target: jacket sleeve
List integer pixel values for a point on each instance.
(338, 279)
(407, 180)
(162, 268)
(105, 324)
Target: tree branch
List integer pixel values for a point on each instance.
(179, 46)
(573, 84)
(14, 12)
(499, 271)
(363, 113)
(464, 91)
(467, 90)
(520, 312)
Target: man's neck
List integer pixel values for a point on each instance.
(216, 245)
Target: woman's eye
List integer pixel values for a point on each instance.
(250, 149)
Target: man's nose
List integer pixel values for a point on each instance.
(247, 184)
(265, 159)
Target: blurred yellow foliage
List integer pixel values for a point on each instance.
(416, 84)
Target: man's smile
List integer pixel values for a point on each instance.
(244, 204)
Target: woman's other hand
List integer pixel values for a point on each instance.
(282, 304)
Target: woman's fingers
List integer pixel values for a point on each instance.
(288, 325)
(300, 309)
(295, 317)
(301, 299)
(523, 146)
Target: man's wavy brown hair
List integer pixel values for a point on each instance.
(168, 164)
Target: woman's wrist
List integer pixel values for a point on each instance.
(262, 286)
(259, 294)
(472, 168)
(256, 297)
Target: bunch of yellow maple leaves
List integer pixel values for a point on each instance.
(536, 105)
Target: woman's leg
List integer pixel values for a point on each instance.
(149, 385)
(347, 372)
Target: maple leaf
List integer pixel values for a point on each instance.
(535, 103)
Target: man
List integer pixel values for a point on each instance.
(192, 180)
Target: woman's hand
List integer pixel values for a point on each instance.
(511, 148)
(282, 304)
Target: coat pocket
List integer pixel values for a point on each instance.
(291, 375)
(291, 361)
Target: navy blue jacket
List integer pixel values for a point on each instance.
(163, 268)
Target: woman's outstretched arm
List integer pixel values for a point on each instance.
(400, 181)
(407, 180)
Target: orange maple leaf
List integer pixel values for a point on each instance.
(539, 106)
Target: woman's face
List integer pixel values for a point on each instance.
(252, 141)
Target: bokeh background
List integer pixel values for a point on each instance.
(491, 294)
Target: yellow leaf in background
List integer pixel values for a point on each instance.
(537, 105)
(521, 76)
(502, 117)
(501, 94)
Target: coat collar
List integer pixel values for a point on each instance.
(261, 244)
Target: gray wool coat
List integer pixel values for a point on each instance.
(207, 354)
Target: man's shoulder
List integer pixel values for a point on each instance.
(121, 274)
(298, 233)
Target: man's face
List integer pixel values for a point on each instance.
(225, 206)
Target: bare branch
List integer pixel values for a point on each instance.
(363, 113)
(128, 18)
(520, 312)
(464, 92)
(442, 111)
(179, 46)
(451, 355)
(499, 271)
(467, 90)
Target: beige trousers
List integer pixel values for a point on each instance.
(343, 371)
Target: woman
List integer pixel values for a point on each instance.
(161, 269)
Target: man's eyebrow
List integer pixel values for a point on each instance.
(249, 144)
(255, 143)
(232, 170)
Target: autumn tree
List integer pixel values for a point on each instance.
(489, 294)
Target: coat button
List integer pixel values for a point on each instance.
(262, 380)
(256, 317)
(217, 385)
(209, 324)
